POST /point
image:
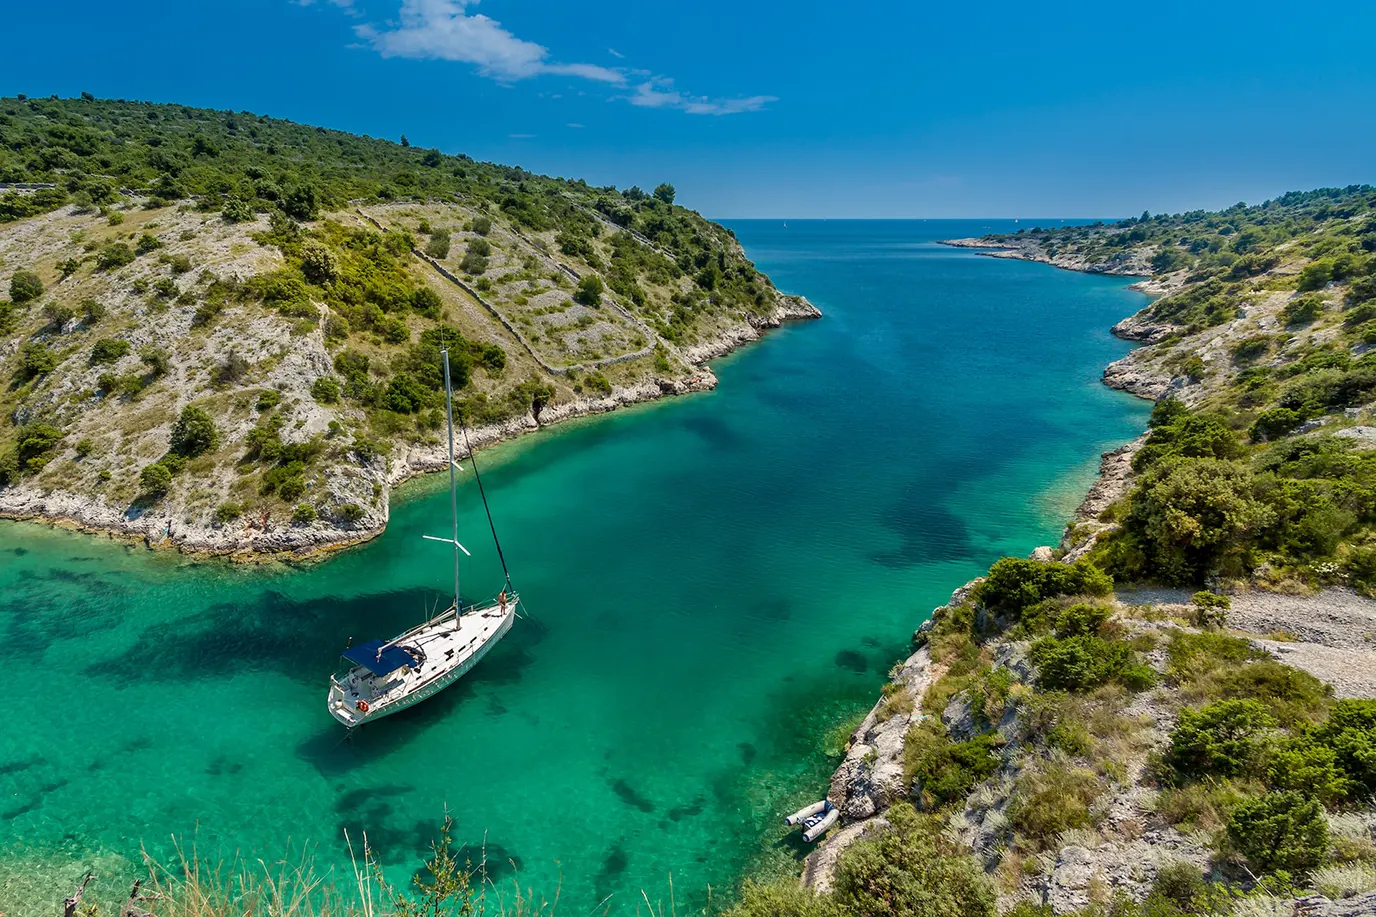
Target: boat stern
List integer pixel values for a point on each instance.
(343, 706)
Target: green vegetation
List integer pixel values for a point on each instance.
(24, 287)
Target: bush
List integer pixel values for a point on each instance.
(236, 210)
(1250, 349)
(58, 314)
(1051, 800)
(325, 390)
(1279, 831)
(1350, 731)
(147, 243)
(268, 399)
(1223, 739)
(784, 898)
(304, 514)
(1275, 423)
(226, 513)
(291, 487)
(108, 350)
(589, 291)
(1301, 310)
(1192, 517)
(155, 479)
(1208, 609)
(906, 870)
(598, 383)
(480, 247)
(35, 360)
(1015, 584)
(194, 433)
(473, 263)
(438, 246)
(943, 772)
(25, 286)
(37, 442)
(482, 225)
(427, 302)
(92, 312)
(318, 263)
(1081, 663)
(114, 255)
(351, 513)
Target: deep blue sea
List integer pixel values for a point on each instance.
(714, 582)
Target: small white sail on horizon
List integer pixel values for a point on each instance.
(385, 677)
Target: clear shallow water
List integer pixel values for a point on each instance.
(713, 581)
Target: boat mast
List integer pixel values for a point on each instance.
(453, 488)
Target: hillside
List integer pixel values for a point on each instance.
(223, 330)
(1174, 712)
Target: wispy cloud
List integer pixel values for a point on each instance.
(446, 30)
(659, 93)
(574, 124)
(451, 30)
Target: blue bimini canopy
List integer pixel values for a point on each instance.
(378, 658)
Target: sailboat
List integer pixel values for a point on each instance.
(384, 677)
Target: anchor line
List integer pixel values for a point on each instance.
(487, 509)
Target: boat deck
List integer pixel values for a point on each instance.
(447, 649)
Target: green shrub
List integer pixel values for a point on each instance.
(1291, 695)
(1251, 349)
(92, 311)
(236, 210)
(1301, 310)
(291, 487)
(473, 263)
(268, 399)
(58, 314)
(35, 360)
(1192, 517)
(943, 772)
(1208, 609)
(25, 286)
(325, 390)
(589, 291)
(1081, 663)
(1178, 431)
(147, 243)
(1015, 584)
(782, 898)
(155, 479)
(1223, 739)
(84, 447)
(108, 350)
(1350, 731)
(36, 444)
(482, 225)
(114, 255)
(304, 514)
(598, 383)
(1309, 768)
(194, 433)
(351, 513)
(1279, 831)
(907, 870)
(226, 513)
(1053, 799)
(1275, 423)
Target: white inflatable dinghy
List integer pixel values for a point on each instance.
(815, 819)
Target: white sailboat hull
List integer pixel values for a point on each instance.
(449, 651)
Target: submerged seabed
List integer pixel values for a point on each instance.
(712, 582)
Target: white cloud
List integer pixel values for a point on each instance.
(573, 124)
(661, 94)
(450, 30)
(446, 30)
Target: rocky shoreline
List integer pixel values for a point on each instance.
(1132, 263)
(255, 541)
(870, 776)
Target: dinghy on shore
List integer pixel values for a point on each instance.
(816, 819)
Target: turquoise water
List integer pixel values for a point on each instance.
(712, 582)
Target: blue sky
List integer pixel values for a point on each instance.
(763, 108)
